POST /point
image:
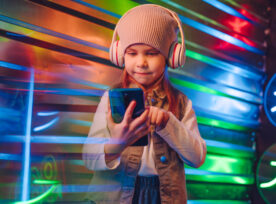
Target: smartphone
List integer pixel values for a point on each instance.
(119, 99)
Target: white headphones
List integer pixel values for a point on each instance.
(176, 56)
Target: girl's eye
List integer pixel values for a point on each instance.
(152, 53)
(131, 53)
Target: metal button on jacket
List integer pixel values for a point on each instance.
(163, 159)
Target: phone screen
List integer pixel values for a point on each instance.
(120, 98)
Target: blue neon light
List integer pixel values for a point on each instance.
(98, 8)
(47, 125)
(47, 113)
(13, 66)
(77, 92)
(227, 66)
(56, 139)
(75, 80)
(27, 146)
(80, 122)
(270, 100)
(227, 9)
(204, 172)
(10, 157)
(214, 143)
(219, 34)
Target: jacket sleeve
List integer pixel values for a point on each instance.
(93, 149)
(184, 137)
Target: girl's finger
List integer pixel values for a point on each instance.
(142, 128)
(141, 120)
(129, 112)
(153, 116)
(159, 118)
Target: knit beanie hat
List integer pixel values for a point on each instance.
(149, 24)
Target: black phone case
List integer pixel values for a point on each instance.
(120, 98)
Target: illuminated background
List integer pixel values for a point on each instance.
(54, 68)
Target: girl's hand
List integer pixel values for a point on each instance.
(128, 131)
(158, 117)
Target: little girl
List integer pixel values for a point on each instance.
(153, 173)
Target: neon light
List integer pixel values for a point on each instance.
(80, 122)
(208, 176)
(273, 163)
(98, 8)
(27, 145)
(273, 109)
(238, 24)
(197, 87)
(68, 139)
(47, 113)
(244, 9)
(221, 124)
(268, 184)
(214, 143)
(50, 32)
(218, 34)
(10, 157)
(73, 79)
(266, 98)
(39, 198)
(13, 66)
(47, 125)
(45, 182)
(222, 65)
(194, 14)
(216, 201)
(227, 9)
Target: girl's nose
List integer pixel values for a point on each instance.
(142, 61)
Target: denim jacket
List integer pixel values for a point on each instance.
(115, 183)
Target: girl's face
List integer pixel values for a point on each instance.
(144, 64)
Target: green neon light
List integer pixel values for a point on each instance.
(39, 198)
(234, 3)
(198, 87)
(268, 184)
(113, 5)
(226, 164)
(242, 180)
(272, 182)
(45, 194)
(218, 63)
(45, 182)
(221, 124)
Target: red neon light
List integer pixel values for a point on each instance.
(238, 25)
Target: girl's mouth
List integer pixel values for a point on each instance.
(142, 73)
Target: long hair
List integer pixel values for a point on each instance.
(170, 91)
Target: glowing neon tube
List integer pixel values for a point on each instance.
(27, 145)
(227, 9)
(218, 34)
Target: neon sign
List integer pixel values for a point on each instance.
(270, 100)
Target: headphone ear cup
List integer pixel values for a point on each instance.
(115, 54)
(174, 58)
